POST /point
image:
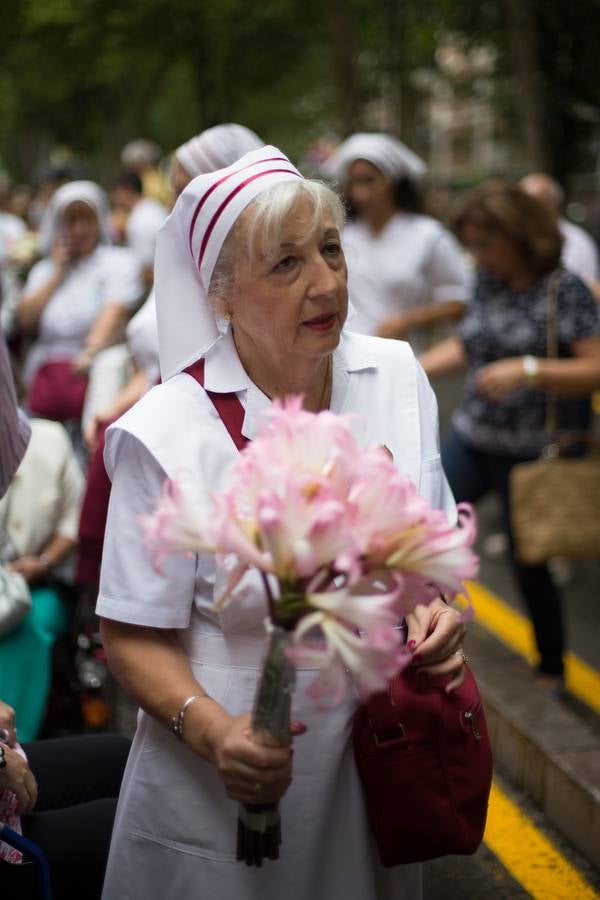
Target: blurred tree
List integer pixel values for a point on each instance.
(548, 71)
(92, 74)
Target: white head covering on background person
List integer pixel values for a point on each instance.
(384, 151)
(188, 247)
(74, 192)
(216, 148)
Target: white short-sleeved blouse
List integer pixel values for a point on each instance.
(414, 261)
(108, 274)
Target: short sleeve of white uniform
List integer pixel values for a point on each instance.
(447, 275)
(124, 283)
(433, 484)
(131, 590)
(38, 276)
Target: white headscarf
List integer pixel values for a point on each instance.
(188, 247)
(216, 148)
(74, 192)
(390, 155)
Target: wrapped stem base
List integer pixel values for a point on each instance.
(259, 825)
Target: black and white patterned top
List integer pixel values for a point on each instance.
(500, 323)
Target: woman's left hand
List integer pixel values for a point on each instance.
(499, 379)
(435, 635)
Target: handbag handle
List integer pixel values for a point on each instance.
(552, 345)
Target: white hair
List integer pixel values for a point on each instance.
(263, 221)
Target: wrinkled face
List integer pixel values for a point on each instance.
(367, 188)
(492, 251)
(80, 228)
(291, 300)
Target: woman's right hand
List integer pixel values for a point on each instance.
(252, 773)
(17, 776)
(92, 429)
(61, 254)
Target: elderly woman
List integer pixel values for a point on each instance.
(251, 277)
(76, 301)
(502, 344)
(406, 273)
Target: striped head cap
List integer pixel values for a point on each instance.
(189, 244)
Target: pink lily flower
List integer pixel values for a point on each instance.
(321, 641)
(174, 526)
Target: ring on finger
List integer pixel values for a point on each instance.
(465, 659)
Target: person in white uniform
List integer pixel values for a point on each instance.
(78, 299)
(251, 277)
(406, 272)
(144, 218)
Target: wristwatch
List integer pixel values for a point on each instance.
(45, 561)
(531, 368)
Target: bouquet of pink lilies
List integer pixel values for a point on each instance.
(346, 547)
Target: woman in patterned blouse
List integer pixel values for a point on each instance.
(501, 343)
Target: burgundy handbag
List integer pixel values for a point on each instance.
(57, 391)
(425, 761)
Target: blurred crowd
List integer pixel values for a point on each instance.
(78, 316)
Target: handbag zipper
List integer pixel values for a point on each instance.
(471, 717)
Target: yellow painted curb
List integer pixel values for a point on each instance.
(514, 629)
(532, 859)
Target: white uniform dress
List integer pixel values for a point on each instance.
(412, 262)
(175, 829)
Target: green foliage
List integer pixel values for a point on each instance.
(92, 74)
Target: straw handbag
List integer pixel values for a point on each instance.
(555, 500)
(555, 505)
